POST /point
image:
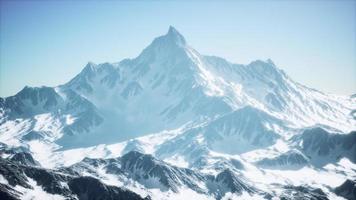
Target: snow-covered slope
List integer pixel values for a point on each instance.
(47, 114)
(246, 131)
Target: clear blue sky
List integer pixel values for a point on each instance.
(48, 43)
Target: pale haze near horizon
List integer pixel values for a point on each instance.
(48, 43)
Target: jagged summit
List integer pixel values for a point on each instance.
(171, 39)
(171, 29)
(174, 35)
(171, 46)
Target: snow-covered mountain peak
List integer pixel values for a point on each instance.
(171, 45)
(30, 101)
(172, 39)
(93, 68)
(28, 89)
(174, 35)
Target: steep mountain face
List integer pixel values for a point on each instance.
(242, 130)
(247, 128)
(347, 190)
(237, 132)
(302, 192)
(46, 114)
(154, 173)
(276, 91)
(24, 158)
(88, 188)
(292, 159)
(324, 147)
(20, 181)
(228, 181)
(31, 101)
(74, 182)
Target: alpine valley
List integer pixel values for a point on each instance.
(174, 124)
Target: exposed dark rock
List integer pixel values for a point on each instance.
(64, 182)
(49, 180)
(142, 166)
(347, 189)
(44, 98)
(24, 158)
(228, 181)
(326, 146)
(7, 193)
(89, 188)
(5, 149)
(146, 169)
(234, 183)
(302, 192)
(13, 173)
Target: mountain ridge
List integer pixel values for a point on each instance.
(243, 130)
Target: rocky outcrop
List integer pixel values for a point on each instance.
(89, 188)
(347, 189)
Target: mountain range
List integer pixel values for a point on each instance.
(175, 124)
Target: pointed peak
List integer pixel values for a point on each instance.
(172, 30)
(164, 45)
(174, 36)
